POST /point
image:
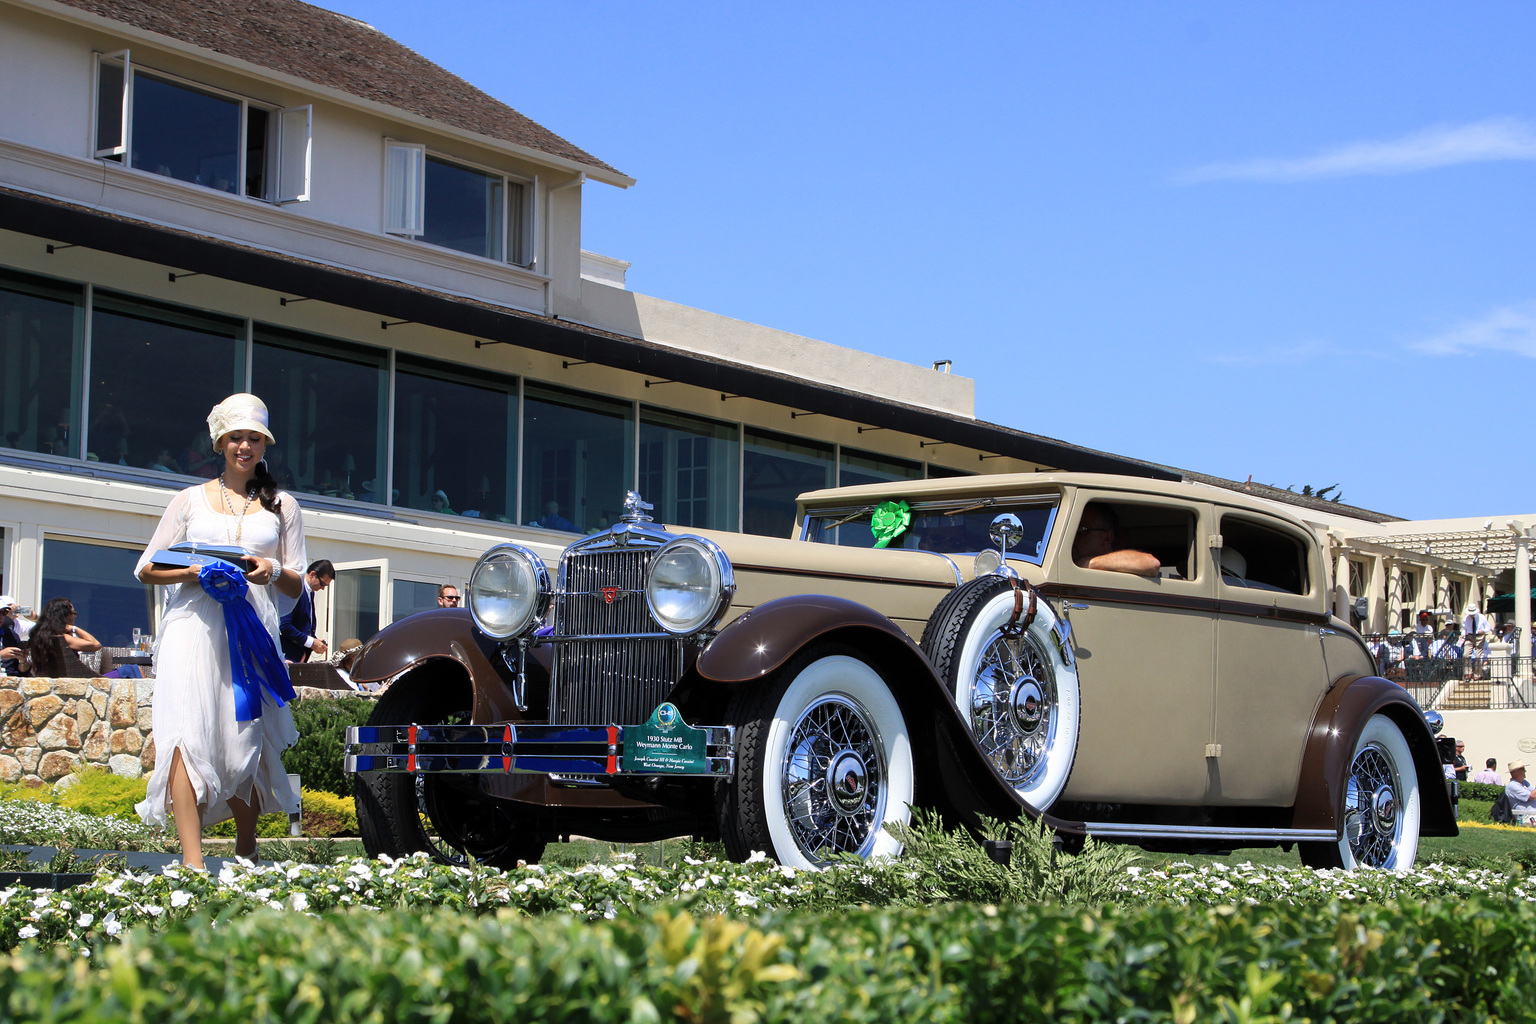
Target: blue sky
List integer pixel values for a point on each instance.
(1291, 240)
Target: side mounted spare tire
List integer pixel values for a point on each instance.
(1017, 691)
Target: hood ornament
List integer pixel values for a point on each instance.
(635, 508)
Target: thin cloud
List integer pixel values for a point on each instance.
(1439, 146)
(1505, 329)
(1277, 355)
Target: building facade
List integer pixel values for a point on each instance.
(199, 198)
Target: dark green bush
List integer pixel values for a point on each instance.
(1410, 961)
(1481, 791)
(322, 723)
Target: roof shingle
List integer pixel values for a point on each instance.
(341, 53)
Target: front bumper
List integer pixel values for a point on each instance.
(565, 750)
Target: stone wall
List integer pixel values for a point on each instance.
(48, 727)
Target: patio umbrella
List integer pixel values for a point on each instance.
(1506, 602)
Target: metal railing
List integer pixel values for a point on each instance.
(1468, 683)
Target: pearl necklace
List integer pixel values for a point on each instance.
(230, 506)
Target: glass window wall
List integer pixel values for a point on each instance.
(688, 469)
(99, 580)
(41, 325)
(775, 470)
(455, 440)
(354, 605)
(155, 372)
(578, 459)
(327, 402)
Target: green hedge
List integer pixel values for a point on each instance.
(1410, 961)
(1481, 791)
(322, 723)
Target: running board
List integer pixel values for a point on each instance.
(1126, 830)
(593, 750)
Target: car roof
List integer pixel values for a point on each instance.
(1040, 483)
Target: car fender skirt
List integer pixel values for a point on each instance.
(962, 783)
(1344, 710)
(447, 635)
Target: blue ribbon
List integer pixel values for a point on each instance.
(253, 653)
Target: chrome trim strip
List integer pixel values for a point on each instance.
(1124, 830)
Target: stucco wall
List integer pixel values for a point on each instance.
(1506, 735)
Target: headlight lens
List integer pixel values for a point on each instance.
(507, 591)
(688, 585)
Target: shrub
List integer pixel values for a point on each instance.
(325, 815)
(1481, 791)
(96, 790)
(328, 815)
(322, 723)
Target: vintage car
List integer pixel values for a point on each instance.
(974, 645)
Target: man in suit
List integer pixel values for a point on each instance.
(10, 639)
(298, 626)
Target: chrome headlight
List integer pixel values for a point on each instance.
(508, 591)
(689, 585)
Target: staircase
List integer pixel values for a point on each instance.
(1469, 695)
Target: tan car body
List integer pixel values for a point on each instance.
(1219, 703)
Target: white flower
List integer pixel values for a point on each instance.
(298, 901)
(85, 920)
(28, 932)
(180, 898)
(745, 899)
(757, 857)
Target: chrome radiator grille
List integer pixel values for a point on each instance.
(611, 677)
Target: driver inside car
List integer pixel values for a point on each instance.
(1095, 546)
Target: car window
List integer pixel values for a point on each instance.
(1166, 532)
(954, 526)
(1255, 556)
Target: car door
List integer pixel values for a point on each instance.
(1144, 653)
(1270, 673)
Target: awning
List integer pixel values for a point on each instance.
(1506, 602)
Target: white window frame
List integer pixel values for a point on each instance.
(288, 181)
(123, 59)
(409, 220)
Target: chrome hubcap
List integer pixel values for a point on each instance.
(834, 780)
(1013, 707)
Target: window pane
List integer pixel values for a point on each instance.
(40, 341)
(866, 468)
(517, 223)
(354, 606)
(577, 459)
(775, 471)
(327, 403)
(463, 209)
(185, 134)
(99, 580)
(411, 597)
(256, 131)
(142, 413)
(688, 469)
(455, 438)
(936, 472)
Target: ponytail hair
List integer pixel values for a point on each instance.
(263, 487)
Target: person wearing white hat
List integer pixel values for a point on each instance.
(1519, 792)
(209, 766)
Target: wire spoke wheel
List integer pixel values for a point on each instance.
(1014, 707)
(834, 780)
(1373, 823)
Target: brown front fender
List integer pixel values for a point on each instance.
(963, 782)
(1345, 709)
(444, 633)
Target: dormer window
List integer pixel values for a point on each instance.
(165, 125)
(456, 205)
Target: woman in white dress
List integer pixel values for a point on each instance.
(208, 766)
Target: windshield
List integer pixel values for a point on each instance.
(953, 526)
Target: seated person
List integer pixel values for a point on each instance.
(1095, 546)
(553, 520)
(1518, 790)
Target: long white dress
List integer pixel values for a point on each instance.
(194, 701)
